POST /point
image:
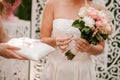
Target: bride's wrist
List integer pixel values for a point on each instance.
(49, 41)
(90, 48)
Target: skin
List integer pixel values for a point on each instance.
(65, 9)
(6, 50)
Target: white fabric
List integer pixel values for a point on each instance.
(31, 48)
(101, 2)
(58, 67)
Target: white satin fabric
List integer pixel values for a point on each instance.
(58, 67)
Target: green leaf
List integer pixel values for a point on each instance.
(105, 36)
(78, 24)
(94, 41)
(86, 30)
(84, 36)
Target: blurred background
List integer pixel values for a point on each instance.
(25, 21)
(23, 11)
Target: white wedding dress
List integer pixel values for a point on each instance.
(58, 67)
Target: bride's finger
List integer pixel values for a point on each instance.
(67, 42)
(80, 47)
(83, 41)
(62, 39)
(63, 48)
(63, 43)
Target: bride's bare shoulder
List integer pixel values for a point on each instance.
(49, 4)
(54, 1)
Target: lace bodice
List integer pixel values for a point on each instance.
(64, 26)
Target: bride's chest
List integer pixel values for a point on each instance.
(64, 26)
(66, 12)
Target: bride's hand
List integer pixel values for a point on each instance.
(63, 42)
(82, 45)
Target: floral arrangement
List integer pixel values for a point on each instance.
(94, 25)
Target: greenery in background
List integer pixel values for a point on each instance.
(24, 10)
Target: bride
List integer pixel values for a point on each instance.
(56, 30)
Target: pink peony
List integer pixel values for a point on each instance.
(105, 21)
(94, 15)
(92, 12)
(98, 23)
(91, 9)
(108, 29)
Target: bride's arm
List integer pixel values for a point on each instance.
(46, 28)
(46, 25)
(96, 49)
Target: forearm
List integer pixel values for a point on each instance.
(95, 49)
(49, 41)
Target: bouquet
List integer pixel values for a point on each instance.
(94, 25)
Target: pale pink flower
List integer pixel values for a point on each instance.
(91, 9)
(107, 25)
(108, 28)
(82, 12)
(105, 21)
(94, 15)
(98, 23)
(102, 14)
(92, 12)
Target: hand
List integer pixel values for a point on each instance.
(82, 45)
(63, 42)
(7, 51)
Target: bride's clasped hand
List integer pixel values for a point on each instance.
(82, 45)
(63, 42)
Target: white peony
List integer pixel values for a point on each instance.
(89, 21)
(82, 12)
(102, 14)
